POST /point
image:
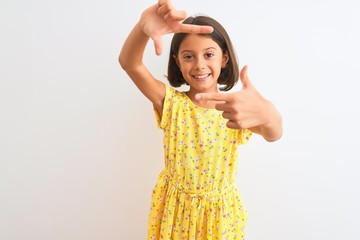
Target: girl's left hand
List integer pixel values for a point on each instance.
(247, 109)
(162, 18)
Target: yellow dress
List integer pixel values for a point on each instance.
(196, 195)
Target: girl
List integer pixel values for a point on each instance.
(195, 196)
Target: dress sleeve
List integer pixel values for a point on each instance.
(165, 117)
(244, 136)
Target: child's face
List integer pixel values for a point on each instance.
(200, 60)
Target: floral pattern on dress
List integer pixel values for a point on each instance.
(196, 196)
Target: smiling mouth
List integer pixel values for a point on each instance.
(201, 77)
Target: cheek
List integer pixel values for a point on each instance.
(184, 67)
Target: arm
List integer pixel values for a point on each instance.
(271, 128)
(157, 20)
(131, 60)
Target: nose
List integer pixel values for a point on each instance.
(199, 64)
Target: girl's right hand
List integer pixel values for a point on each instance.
(163, 18)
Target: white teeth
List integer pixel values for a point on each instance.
(201, 76)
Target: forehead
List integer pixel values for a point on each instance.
(193, 42)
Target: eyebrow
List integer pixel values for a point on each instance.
(206, 49)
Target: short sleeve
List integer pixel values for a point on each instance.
(167, 109)
(244, 136)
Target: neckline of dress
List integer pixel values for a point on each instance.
(196, 106)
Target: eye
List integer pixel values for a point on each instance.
(209, 55)
(188, 57)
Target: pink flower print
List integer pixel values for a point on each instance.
(193, 144)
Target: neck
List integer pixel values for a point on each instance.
(201, 103)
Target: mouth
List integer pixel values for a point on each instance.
(201, 77)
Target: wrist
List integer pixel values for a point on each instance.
(139, 27)
(272, 128)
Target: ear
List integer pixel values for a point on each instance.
(225, 59)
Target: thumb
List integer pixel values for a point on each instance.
(158, 43)
(244, 77)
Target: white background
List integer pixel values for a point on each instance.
(80, 151)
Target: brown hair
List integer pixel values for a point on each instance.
(228, 76)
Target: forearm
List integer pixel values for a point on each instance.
(271, 130)
(131, 55)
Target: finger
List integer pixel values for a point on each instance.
(236, 125)
(212, 97)
(197, 29)
(161, 2)
(244, 77)
(224, 106)
(158, 45)
(175, 15)
(167, 11)
(227, 115)
(232, 124)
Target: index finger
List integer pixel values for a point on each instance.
(190, 28)
(218, 97)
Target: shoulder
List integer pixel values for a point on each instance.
(172, 102)
(172, 95)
